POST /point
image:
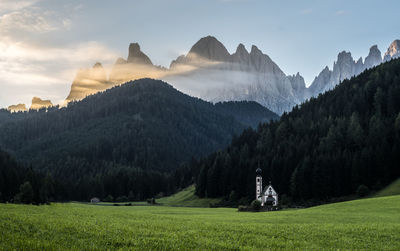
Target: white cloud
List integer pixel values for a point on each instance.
(32, 66)
(13, 5)
(27, 71)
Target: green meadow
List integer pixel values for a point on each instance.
(367, 224)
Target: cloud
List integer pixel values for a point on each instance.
(31, 65)
(27, 70)
(32, 20)
(13, 5)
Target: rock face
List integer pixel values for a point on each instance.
(393, 51)
(136, 56)
(38, 104)
(344, 68)
(209, 48)
(374, 57)
(17, 108)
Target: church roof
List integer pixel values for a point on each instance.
(266, 189)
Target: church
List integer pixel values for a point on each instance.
(268, 196)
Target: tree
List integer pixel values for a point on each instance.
(26, 193)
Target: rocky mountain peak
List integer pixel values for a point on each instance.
(344, 56)
(393, 51)
(210, 48)
(136, 56)
(17, 108)
(38, 103)
(255, 51)
(297, 82)
(374, 57)
(241, 49)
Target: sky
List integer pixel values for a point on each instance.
(44, 42)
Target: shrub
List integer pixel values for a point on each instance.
(255, 205)
(122, 199)
(109, 198)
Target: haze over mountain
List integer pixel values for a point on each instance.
(210, 72)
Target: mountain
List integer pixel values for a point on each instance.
(143, 129)
(210, 72)
(17, 108)
(327, 148)
(207, 71)
(88, 82)
(38, 103)
(345, 67)
(393, 51)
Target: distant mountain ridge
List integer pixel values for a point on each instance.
(210, 72)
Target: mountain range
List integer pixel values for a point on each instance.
(210, 72)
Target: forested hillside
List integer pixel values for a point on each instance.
(23, 185)
(328, 147)
(124, 141)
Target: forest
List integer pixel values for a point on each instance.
(344, 141)
(130, 140)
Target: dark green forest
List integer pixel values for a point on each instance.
(126, 141)
(326, 148)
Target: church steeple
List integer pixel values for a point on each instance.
(259, 185)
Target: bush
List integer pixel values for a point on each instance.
(109, 198)
(255, 205)
(122, 199)
(362, 190)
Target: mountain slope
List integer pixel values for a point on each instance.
(145, 125)
(326, 148)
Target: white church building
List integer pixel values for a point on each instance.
(268, 196)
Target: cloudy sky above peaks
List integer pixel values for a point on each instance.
(44, 42)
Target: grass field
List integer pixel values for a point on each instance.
(368, 224)
(392, 189)
(186, 198)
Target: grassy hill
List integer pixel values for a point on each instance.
(187, 198)
(392, 189)
(368, 224)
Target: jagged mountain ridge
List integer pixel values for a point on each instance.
(210, 72)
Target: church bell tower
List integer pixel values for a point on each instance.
(259, 185)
